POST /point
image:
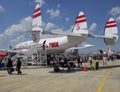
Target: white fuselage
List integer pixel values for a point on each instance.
(52, 45)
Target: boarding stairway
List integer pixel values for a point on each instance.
(43, 58)
(38, 56)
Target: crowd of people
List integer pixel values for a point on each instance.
(64, 62)
(93, 61)
(10, 67)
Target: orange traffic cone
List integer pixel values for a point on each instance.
(85, 69)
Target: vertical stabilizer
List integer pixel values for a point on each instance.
(80, 24)
(36, 24)
(37, 20)
(111, 30)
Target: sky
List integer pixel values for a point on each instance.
(57, 15)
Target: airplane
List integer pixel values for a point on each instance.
(59, 44)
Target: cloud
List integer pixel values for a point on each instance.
(53, 13)
(67, 19)
(17, 33)
(23, 26)
(1, 36)
(70, 29)
(118, 19)
(17, 29)
(17, 40)
(1, 9)
(41, 2)
(52, 27)
(49, 26)
(57, 30)
(93, 27)
(58, 5)
(115, 11)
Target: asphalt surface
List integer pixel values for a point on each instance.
(36, 79)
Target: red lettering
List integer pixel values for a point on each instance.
(53, 44)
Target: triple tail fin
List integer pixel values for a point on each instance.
(111, 30)
(36, 24)
(37, 20)
(80, 24)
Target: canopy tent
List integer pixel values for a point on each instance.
(3, 54)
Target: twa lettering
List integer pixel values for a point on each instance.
(53, 44)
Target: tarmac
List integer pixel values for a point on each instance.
(36, 79)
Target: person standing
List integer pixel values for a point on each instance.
(90, 60)
(78, 61)
(81, 60)
(104, 60)
(9, 66)
(18, 66)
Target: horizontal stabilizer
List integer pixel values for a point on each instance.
(99, 36)
(62, 33)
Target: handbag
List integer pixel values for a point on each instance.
(12, 69)
(16, 69)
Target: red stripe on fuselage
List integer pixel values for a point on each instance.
(110, 22)
(36, 15)
(109, 26)
(80, 21)
(36, 10)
